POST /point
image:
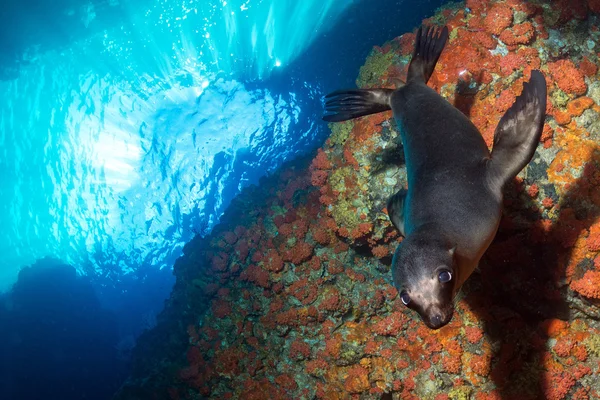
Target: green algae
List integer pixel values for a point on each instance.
(592, 343)
(337, 179)
(351, 353)
(375, 66)
(460, 393)
(560, 98)
(340, 132)
(345, 214)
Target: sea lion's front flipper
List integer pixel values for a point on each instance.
(518, 132)
(354, 103)
(395, 208)
(429, 44)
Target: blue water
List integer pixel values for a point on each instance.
(128, 126)
(127, 142)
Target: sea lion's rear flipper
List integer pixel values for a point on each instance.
(395, 208)
(429, 44)
(354, 103)
(518, 132)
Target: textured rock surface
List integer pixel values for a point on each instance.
(289, 296)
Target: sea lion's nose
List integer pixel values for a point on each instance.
(436, 321)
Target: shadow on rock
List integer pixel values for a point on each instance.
(523, 284)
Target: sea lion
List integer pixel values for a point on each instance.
(451, 211)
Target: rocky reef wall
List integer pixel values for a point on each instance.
(290, 297)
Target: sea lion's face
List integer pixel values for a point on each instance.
(425, 277)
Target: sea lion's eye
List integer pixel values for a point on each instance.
(405, 298)
(445, 276)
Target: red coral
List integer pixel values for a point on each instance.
(371, 347)
(481, 364)
(476, 6)
(315, 263)
(451, 364)
(272, 261)
(555, 386)
(326, 200)
(316, 367)
(321, 236)
(318, 177)
(498, 18)
(221, 309)
(260, 390)
(580, 371)
(388, 353)
(580, 353)
(288, 317)
(361, 230)
(331, 303)
(220, 262)
(381, 251)
(589, 285)
(548, 202)
(505, 100)
(485, 40)
(350, 159)
(256, 275)
(568, 77)
(580, 394)
(226, 362)
(357, 380)
(355, 276)
(473, 334)
(407, 43)
(547, 133)
(390, 326)
(554, 327)
(299, 253)
(519, 34)
(299, 350)
(511, 62)
(333, 347)
(286, 230)
(335, 267)
(230, 237)
(531, 56)
(286, 382)
(306, 292)
(242, 249)
(321, 161)
(340, 247)
(300, 228)
(587, 67)
(563, 347)
(533, 190)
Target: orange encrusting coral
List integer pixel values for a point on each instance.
(588, 285)
(567, 77)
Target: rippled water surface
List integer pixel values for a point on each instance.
(116, 148)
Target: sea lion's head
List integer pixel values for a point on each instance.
(424, 272)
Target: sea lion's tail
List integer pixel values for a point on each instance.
(354, 103)
(518, 132)
(429, 44)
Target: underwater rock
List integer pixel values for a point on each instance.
(289, 297)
